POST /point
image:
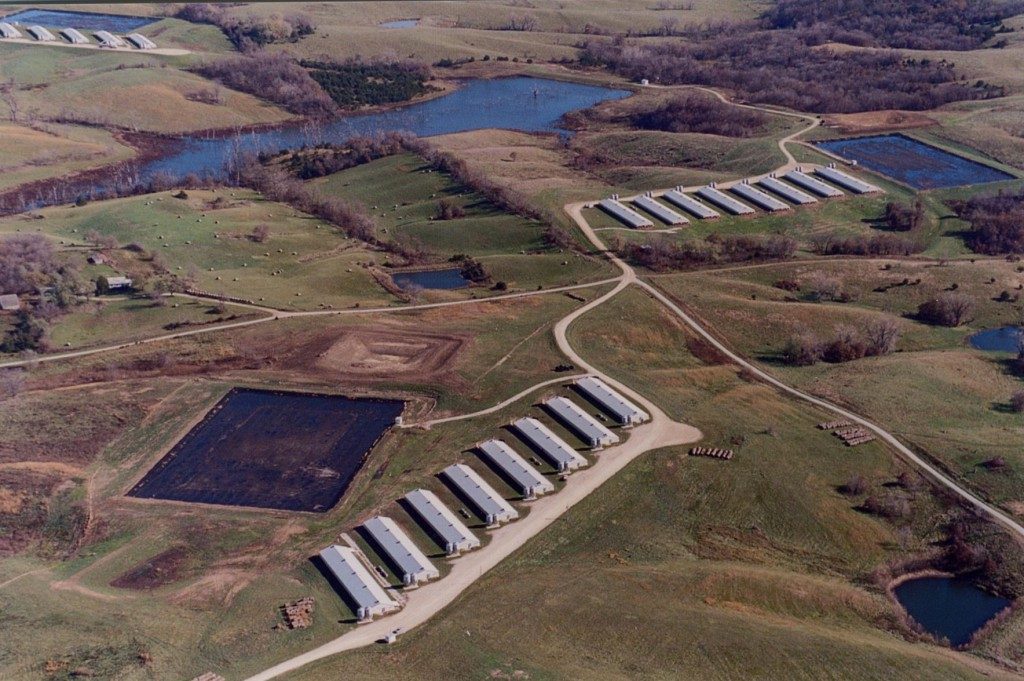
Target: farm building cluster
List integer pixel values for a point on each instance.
(770, 194)
(105, 39)
(365, 585)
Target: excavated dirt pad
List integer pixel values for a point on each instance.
(879, 121)
(159, 570)
(383, 353)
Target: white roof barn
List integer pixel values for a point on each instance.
(363, 591)
(9, 302)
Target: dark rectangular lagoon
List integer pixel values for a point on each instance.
(431, 279)
(912, 162)
(90, 21)
(268, 449)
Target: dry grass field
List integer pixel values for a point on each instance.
(33, 153)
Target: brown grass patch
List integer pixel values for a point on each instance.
(878, 121)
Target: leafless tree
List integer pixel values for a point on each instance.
(881, 335)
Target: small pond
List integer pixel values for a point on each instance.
(401, 23)
(431, 279)
(949, 607)
(1001, 339)
(89, 21)
(912, 162)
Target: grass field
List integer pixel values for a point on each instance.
(38, 153)
(941, 396)
(59, 83)
(300, 266)
(402, 193)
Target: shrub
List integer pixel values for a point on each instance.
(448, 210)
(1017, 401)
(946, 309)
(855, 486)
(802, 350)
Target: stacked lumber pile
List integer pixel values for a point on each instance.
(298, 614)
(713, 452)
(209, 676)
(832, 425)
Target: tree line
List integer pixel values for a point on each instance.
(792, 68)
(354, 83)
(997, 222)
(663, 255)
(692, 112)
(252, 31)
(908, 24)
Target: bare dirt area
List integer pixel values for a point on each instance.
(390, 354)
(164, 568)
(878, 121)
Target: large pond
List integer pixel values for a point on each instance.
(90, 21)
(517, 103)
(949, 607)
(520, 103)
(1001, 339)
(913, 162)
(431, 279)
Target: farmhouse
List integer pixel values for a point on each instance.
(624, 214)
(589, 429)
(439, 521)
(9, 302)
(611, 401)
(365, 593)
(410, 564)
(553, 448)
(690, 204)
(491, 506)
(514, 468)
(8, 31)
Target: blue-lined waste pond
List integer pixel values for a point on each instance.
(89, 21)
(912, 162)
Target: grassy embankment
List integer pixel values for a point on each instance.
(406, 192)
(941, 396)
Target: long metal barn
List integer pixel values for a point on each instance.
(553, 448)
(74, 36)
(368, 596)
(514, 468)
(773, 184)
(491, 506)
(589, 429)
(40, 33)
(439, 521)
(724, 201)
(663, 213)
(759, 198)
(846, 181)
(108, 39)
(411, 565)
(8, 31)
(690, 204)
(611, 401)
(813, 184)
(625, 214)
